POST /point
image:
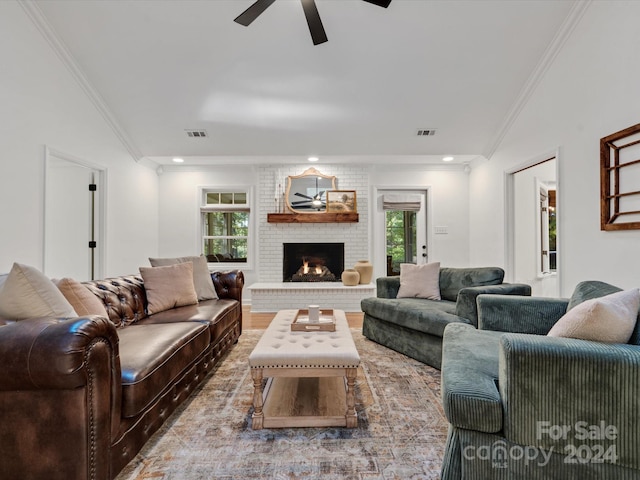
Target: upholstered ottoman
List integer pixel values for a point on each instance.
(311, 376)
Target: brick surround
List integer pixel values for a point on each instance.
(272, 236)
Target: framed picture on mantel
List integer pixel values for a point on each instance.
(341, 201)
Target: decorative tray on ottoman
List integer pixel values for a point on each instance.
(326, 323)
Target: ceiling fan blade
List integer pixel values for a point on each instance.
(316, 29)
(253, 12)
(303, 196)
(380, 3)
(300, 202)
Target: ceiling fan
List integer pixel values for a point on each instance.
(316, 29)
(311, 202)
(316, 201)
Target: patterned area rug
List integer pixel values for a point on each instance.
(400, 435)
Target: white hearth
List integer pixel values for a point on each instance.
(271, 297)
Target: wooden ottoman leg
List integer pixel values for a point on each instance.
(258, 416)
(351, 417)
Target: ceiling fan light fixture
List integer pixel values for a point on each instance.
(316, 29)
(380, 3)
(253, 12)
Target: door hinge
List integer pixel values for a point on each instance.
(93, 187)
(93, 244)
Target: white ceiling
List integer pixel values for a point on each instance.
(161, 67)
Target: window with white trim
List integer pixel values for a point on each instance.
(225, 219)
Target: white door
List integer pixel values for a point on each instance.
(72, 220)
(401, 220)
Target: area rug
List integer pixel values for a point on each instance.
(401, 428)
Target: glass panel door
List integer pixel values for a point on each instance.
(401, 239)
(404, 233)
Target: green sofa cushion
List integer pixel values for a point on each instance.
(452, 280)
(470, 372)
(590, 289)
(427, 316)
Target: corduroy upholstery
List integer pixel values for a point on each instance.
(521, 404)
(414, 326)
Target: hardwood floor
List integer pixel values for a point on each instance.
(260, 321)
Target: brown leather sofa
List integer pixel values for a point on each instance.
(80, 397)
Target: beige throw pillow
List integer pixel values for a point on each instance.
(611, 318)
(168, 287)
(28, 293)
(201, 276)
(420, 281)
(80, 297)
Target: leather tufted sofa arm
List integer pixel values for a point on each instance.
(229, 284)
(60, 390)
(52, 353)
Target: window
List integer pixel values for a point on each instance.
(225, 220)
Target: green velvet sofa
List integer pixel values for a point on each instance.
(414, 326)
(522, 405)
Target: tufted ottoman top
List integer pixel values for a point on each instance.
(279, 347)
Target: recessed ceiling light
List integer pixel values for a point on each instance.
(313, 159)
(178, 160)
(447, 159)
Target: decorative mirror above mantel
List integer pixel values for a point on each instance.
(307, 192)
(306, 200)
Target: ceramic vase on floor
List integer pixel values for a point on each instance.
(350, 277)
(365, 269)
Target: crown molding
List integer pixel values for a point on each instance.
(562, 35)
(39, 20)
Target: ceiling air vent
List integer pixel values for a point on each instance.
(429, 132)
(197, 133)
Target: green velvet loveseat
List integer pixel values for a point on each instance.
(414, 326)
(523, 405)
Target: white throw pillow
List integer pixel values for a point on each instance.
(28, 293)
(420, 281)
(201, 275)
(169, 287)
(610, 319)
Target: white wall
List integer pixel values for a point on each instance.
(42, 105)
(179, 219)
(179, 207)
(590, 91)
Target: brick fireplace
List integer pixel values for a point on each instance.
(271, 292)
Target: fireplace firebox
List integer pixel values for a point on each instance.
(312, 262)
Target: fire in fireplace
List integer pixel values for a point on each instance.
(313, 269)
(313, 262)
